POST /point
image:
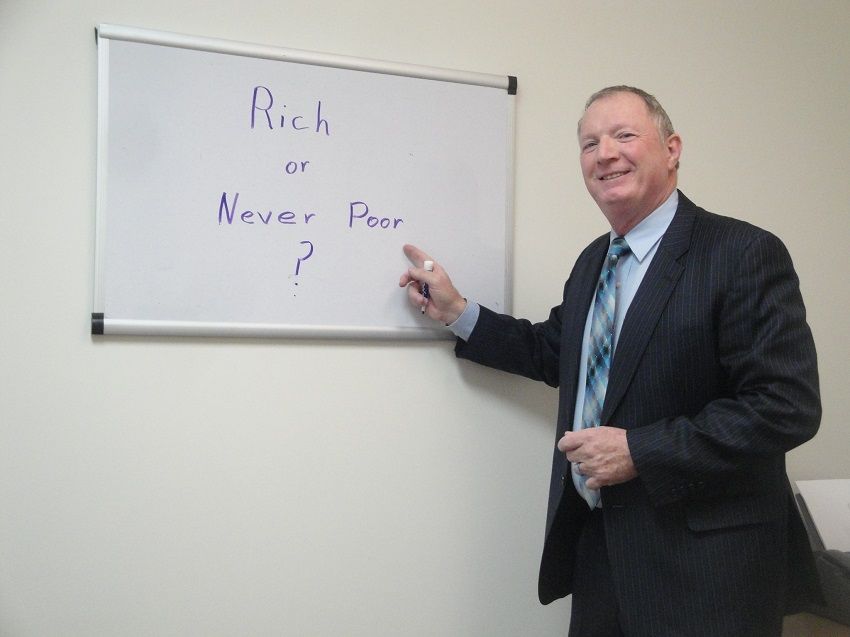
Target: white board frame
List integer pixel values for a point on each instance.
(105, 325)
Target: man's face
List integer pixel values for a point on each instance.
(628, 169)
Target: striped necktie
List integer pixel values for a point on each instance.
(600, 353)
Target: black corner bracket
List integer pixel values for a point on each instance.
(97, 323)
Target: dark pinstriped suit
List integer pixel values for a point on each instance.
(715, 378)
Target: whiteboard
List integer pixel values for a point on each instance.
(246, 190)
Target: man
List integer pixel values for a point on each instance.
(686, 372)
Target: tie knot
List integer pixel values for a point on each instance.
(618, 248)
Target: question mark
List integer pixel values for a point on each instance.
(304, 258)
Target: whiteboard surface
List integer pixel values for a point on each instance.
(248, 196)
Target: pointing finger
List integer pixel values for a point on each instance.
(416, 256)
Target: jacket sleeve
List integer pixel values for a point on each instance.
(770, 401)
(516, 345)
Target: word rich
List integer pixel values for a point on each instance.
(262, 103)
(358, 214)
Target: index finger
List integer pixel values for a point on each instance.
(417, 257)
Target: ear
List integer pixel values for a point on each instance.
(674, 150)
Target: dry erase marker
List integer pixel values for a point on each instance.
(429, 267)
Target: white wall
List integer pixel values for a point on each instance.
(215, 487)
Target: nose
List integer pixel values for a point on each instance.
(607, 148)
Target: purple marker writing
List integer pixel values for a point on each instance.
(429, 267)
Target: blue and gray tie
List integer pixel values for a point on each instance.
(600, 353)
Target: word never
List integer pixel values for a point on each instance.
(228, 212)
(262, 100)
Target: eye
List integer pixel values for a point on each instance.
(625, 135)
(588, 145)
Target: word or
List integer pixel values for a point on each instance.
(373, 222)
(292, 167)
(263, 101)
(227, 211)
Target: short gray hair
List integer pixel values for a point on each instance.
(656, 111)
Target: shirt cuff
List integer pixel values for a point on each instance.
(465, 323)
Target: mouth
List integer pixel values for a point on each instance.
(611, 176)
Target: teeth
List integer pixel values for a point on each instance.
(612, 176)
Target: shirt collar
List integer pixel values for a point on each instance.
(643, 237)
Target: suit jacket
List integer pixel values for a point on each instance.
(714, 379)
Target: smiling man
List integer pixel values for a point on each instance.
(629, 156)
(686, 371)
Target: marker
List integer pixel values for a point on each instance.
(429, 267)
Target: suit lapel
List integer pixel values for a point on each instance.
(649, 302)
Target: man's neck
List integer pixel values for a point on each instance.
(623, 221)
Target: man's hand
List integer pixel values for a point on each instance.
(601, 453)
(445, 303)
